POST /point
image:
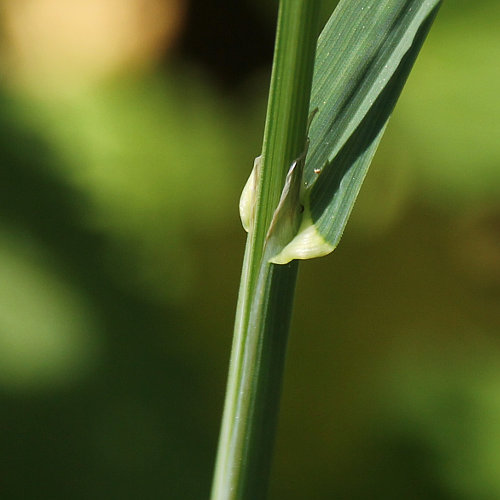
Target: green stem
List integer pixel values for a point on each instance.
(266, 291)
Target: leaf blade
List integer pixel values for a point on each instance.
(364, 56)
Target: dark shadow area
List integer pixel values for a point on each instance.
(229, 43)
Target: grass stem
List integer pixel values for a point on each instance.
(266, 290)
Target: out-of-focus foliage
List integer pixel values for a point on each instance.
(450, 113)
(120, 250)
(48, 333)
(143, 152)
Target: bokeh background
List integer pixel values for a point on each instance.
(127, 130)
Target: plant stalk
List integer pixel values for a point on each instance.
(266, 290)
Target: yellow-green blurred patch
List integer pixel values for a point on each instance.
(48, 335)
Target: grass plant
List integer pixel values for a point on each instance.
(301, 192)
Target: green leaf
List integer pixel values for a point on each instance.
(364, 56)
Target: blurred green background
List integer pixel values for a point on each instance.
(127, 130)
